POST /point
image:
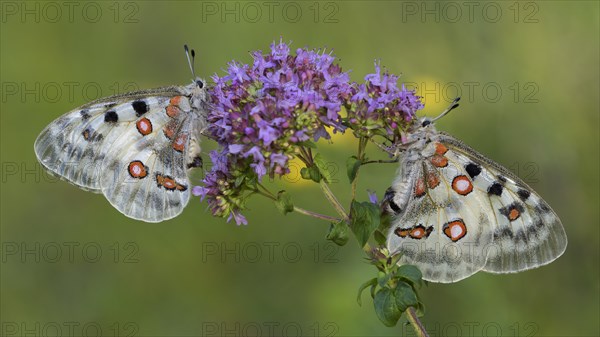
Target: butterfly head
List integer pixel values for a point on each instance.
(196, 91)
(199, 82)
(421, 131)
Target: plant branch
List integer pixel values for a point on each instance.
(316, 215)
(362, 143)
(333, 200)
(416, 323)
(266, 192)
(379, 161)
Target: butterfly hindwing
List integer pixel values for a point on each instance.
(150, 179)
(453, 220)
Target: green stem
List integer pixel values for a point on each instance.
(391, 161)
(316, 215)
(362, 144)
(266, 192)
(333, 200)
(306, 156)
(416, 323)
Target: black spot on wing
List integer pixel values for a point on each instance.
(196, 162)
(394, 207)
(140, 107)
(503, 232)
(111, 116)
(502, 179)
(532, 231)
(91, 135)
(388, 198)
(84, 114)
(521, 236)
(542, 208)
(175, 203)
(523, 194)
(473, 170)
(495, 189)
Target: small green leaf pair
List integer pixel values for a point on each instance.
(396, 293)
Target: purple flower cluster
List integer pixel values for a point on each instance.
(262, 114)
(265, 114)
(379, 107)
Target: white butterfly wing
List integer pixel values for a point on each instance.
(441, 231)
(119, 146)
(149, 179)
(458, 212)
(527, 233)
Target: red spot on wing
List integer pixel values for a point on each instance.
(169, 130)
(175, 100)
(433, 180)
(172, 111)
(462, 185)
(439, 160)
(137, 169)
(417, 233)
(169, 183)
(179, 142)
(144, 126)
(401, 232)
(420, 187)
(440, 149)
(513, 214)
(455, 230)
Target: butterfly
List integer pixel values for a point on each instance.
(456, 212)
(134, 148)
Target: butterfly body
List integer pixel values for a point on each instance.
(134, 148)
(456, 212)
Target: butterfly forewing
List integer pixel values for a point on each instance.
(526, 231)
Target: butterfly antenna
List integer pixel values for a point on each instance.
(451, 107)
(190, 59)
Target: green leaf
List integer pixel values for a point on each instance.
(383, 278)
(410, 273)
(322, 166)
(386, 308)
(364, 217)
(338, 233)
(370, 283)
(311, 173)
(308, 143)
(284, 202)
(405, 296)
(352, 166)
(239, 181)
(379, 238)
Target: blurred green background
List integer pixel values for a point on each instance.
(528, 74)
